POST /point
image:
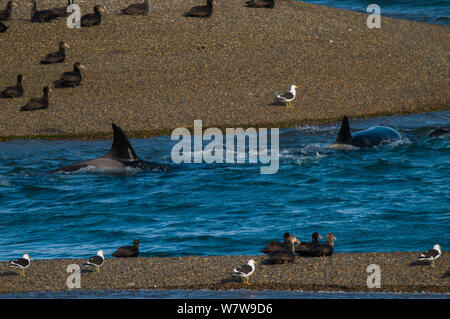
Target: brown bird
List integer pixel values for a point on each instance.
(40, 15)
(91, 19)
(128, 251)
(13, 91)
(38, 103)
(5, 14)
(3, 27)
(321, 250)
(137, 8)
(276, 245)
(71, 79)
(261, 4)
(201, 11)
(58, 56)
(61, 12)
(305, 247)
(284, 255)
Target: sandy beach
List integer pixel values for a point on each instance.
(151, 74)
(341, 272)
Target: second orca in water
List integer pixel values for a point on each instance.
(119, 157)
(367, 138)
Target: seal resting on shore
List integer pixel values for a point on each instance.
(245, 271)
(91, 19)
(261, 4)
(120, 157)
(201, 11)
(304, 247)
(286, 255)
(276, 245)
(128, 251)
(41, 15)
(38, 103)
(137, 8)
(13, 91)
(71, 79)
(5, 14)
(58, 56)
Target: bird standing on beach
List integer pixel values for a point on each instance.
(261, 4)
(201, 11)
(137, 8)
(96, 261)
(305, 247)
(5, 14)
(21, 263)
(41, 15)
(245, 271)
(276, 245)
(58, 56)
(287, 97)
(431, 254)
(91, 19)
(321, 250)
(128, 251)
(285, 255)
(38, 103)
(13, 91)
(71, 79)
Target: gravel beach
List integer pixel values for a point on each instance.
(151, 74)
(341, 272)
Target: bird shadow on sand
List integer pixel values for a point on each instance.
(8, 273)
(419, 263)
(85, 270)
(277, 103)
(447, 274)
(231, 279)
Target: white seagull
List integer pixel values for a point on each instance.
(21, 263)
(96, 261)
(431, 254)
(287, 97)
(246, 271)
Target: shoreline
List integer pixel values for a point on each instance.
(222, 70)
(400, 272)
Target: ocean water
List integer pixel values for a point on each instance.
(388, 198)
(429, 11)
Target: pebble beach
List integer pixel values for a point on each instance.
(151, 74)
(400, 272)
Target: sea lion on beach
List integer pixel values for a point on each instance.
(367, 138)
(120, 156)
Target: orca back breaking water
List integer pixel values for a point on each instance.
(120, 156)
(367, 138)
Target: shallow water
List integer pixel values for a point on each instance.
(219, 294)
(388, 198)
(430, 11)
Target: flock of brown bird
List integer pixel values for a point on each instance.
(283, 252)
(73, 78)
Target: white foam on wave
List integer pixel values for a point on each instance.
(4, 181)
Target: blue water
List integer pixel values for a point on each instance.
(388, 198)
(429, 11)
(218, 294)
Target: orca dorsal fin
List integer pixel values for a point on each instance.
(345, 134)
(121, 148)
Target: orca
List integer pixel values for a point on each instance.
(367, 138)
(121, 156)
(441, 131)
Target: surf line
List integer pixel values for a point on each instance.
(235, 146)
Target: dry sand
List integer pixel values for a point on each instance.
(151, 74)
(341, 272)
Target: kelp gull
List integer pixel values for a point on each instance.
(431, 254)
(21, 263)
(96, 261)
(246, 271)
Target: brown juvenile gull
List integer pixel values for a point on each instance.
(71, 79)
(91, 19)
(40, 15)
(137, 8)
(284, 255)
(321, 250)
(304, 248)
(58, 56)
(276, 245)
(201, 11)
(38, 103)
(13, 91)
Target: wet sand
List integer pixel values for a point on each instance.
(151, 74)
(341, 272)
